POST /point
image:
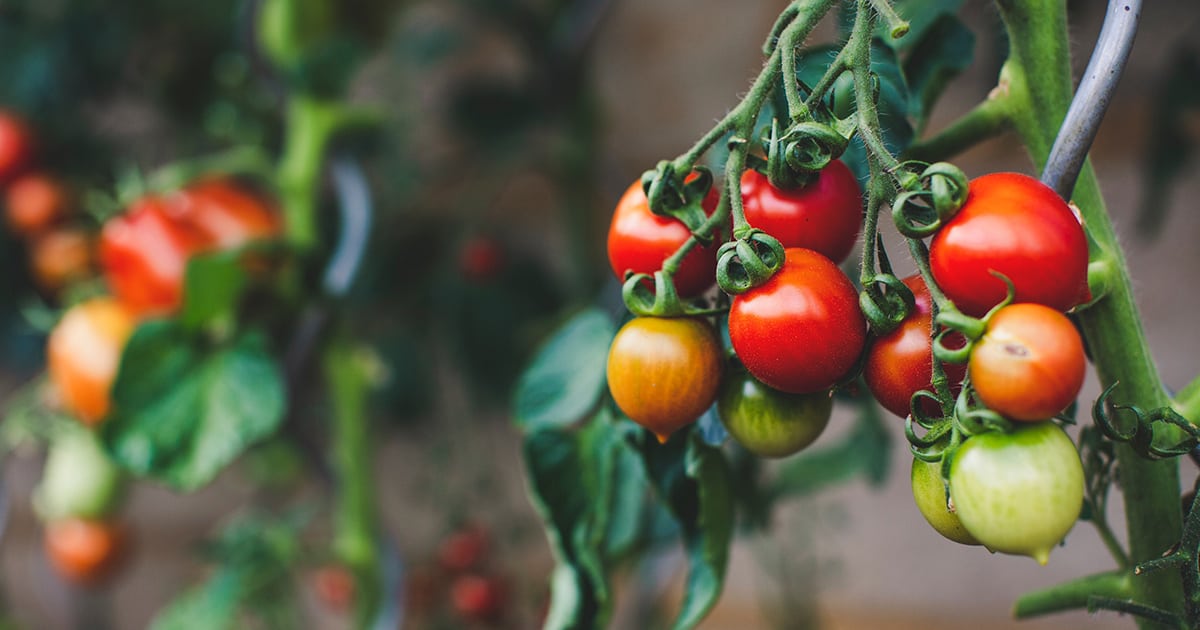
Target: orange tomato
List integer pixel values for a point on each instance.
(83, 551)
(60, 257)
(84, 352)
(227, 214)
(35, 202)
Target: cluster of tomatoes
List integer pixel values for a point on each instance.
(142, 255)
(802, 333)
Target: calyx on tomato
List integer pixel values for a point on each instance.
(825, 215)
(1011, 224)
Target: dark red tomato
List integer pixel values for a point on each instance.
(16, 146)
(144, 254)
(824, 216)
(480, 259)
(463, 550)
(802, 330)
(639, 241)
(478, 597)
(84, 551)
(1014, 225)
(1030, 363)
(34, 202)
(226, 214)
(900, 363)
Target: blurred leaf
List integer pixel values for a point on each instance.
(213, 283)
(1170, 147)
(710, 428)
(566, 378)
(945, 50)
(866, 450)
(210, 606)
(182, 412)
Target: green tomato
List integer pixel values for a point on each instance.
(79, 480)
(768, 422)
(930, 497)
(1018, 492)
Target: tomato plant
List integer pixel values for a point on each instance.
(824, 215)
(771, 423)
(1011, 224)
(1030, 363)
(83, 353)
(84, 551)
(929, 493)
(34, 202)
(802, 330)
(1018, 492)
(663, 373)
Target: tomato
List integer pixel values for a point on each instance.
(477, 597)
(334, 586)
(144, 254)
(1029, 364)
(84, 551)
(16, 146)
(60, 257)
(226, 214)
(1018, 492)
(480, 259)
(463, 550)
(1014, 225)
(802, 330)
(79, 479)
(768, 422)
(34, 202)
(83, 353)
(824, 216)
(640, 241)
(930, 497)
(900, 363)
(663, 373)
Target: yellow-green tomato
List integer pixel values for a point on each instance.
(1018, 492)
(79, 481)
(768, 422)
(930, 497)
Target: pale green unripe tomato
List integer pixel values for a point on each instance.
(79, 480)
(930, 497)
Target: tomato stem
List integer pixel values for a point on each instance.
(1074, 594)
(986, 120)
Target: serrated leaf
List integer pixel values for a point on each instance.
(183, 412)
(212, 285)
(566, 378)
(946, 48)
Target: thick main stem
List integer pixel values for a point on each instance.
(1040, 88)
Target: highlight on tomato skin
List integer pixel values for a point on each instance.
(825, 215)
(83, 354)
(226, 213)
(1013, 225)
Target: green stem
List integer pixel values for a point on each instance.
(1040, 88)
(1074, 594)
(355, 541)
(986, 120)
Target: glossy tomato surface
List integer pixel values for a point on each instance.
(900, 363)
(83, 354)
(664, 372)
(802, 330)
(34, 202)
(768, 422)
(225, 213)
(1030, 363)
(144, 254)
(1018, 492)
(84, 551)
(930, 496)
(1014, 225)
(825, 215)
(16, 146)
(640, 241)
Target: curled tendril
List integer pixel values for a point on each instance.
(749, 261)
(946, 354)
(921, 211)
(660, 301)
(917, 410)
(1140, 436)
(933, 435)
(681, 198)
(885, 310)
(974, 421)
(805, 147)
(972, 328)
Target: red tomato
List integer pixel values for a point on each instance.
(477, 597)
(463, 550)
(1014, 225)
(802, 330)
(83, 551)
(1030, 363)
(83, 354)
(824, 216)
(639, 241)
(225, 213)
(480, 259)
(144, 254)
(900, 363)
(334, 586)
(16, 146)
(34, 202)
(59, 257)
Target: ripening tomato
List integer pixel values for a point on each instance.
(900, 363)
(60, 257)
(83, 354)
(768, 422)
(664, 372)
(640, 241)
(334, 586)
(1029, 364)
(802, 330)
(226, 214)
(84, 551)
(1018, 492)
(477, 597)
(930, 496)
(825, 215)
(35, 202)
(1014, 225)
(16, 146)
(144, 254)
(464, 549)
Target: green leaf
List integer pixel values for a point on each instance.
(182, 412)
(921, 16)
(694, 480)
(1169, 151)
(212, 285)
(946, 49)
(566, 378)
(210, 606)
